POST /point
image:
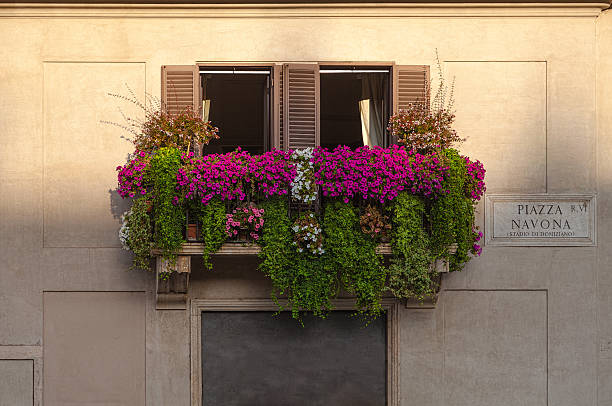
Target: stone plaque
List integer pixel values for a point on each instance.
(540, 220)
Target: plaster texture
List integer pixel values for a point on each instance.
(520, 325)
(16, 382)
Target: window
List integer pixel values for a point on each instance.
(237, 101)
(295, 105)
(355, 105)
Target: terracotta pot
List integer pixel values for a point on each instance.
(192, 232)
(243, 234)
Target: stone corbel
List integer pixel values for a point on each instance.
(171, 292)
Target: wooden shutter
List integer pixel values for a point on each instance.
(300, 108)
(277, 109)
(180, 88)
(410, 85)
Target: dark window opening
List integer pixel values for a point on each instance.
(355, 106)
(237, 101)
(256, 358)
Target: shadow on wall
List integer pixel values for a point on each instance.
(118, 205)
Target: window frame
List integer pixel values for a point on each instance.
(390, 90)
(390, 305)
(271, 140)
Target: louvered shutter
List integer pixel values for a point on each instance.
(180, 88)
(277, 100)
(300, 114)
(410, 85)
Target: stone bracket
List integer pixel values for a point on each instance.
(171, 290)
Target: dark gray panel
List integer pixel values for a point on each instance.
(256, 358)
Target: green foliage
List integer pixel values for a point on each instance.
(139, 234)
(168, 215)
(305, 279)
(353, 254)
(452, 215)
(212, 218)
(410, 274)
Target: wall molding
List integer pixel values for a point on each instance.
(305, 10)
(32, 353)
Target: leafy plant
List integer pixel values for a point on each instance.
(159, 129)
(168, 214)
(136, 233)
(427, 125)
(182, 131)
(410, 273)
(374, 223)
(452, 215)
(213, 232)
(354, 255)
(306, 280)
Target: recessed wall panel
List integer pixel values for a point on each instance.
(501, 111)
(16, 382)
(81, 153)
(94, 348)
(495, 348)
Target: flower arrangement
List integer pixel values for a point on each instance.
(374, 223)
(308, 234)
(422, 129)
(182, 131)
(236, 175)
(477, 236)
(419, 195)
(131, 176)
(377, 173)
(474, 183)
(303, 186)
(248, 218)
(124, 231)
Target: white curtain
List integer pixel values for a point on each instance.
(371, 109)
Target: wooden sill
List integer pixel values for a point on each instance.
(236, 248)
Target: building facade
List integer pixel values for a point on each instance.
(523, 324)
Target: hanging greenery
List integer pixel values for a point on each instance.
(212, 219)
(168, 212)
(452, 215)
(305, 279)
(353, 253)
(136, 233)
(410, 273)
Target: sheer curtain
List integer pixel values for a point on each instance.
(371, 109)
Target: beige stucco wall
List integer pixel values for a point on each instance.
(518, 326)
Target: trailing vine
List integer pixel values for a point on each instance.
(410, 273)
(452, 215)
(136, 233)
(306, 280)
(168, 214)
(353, 254)
(212, 218)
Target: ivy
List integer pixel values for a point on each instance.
(212, 218)
(410, 273)
(452, 214)
(139, 233)
(168, 213)
(306, 280)
(353, 254)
